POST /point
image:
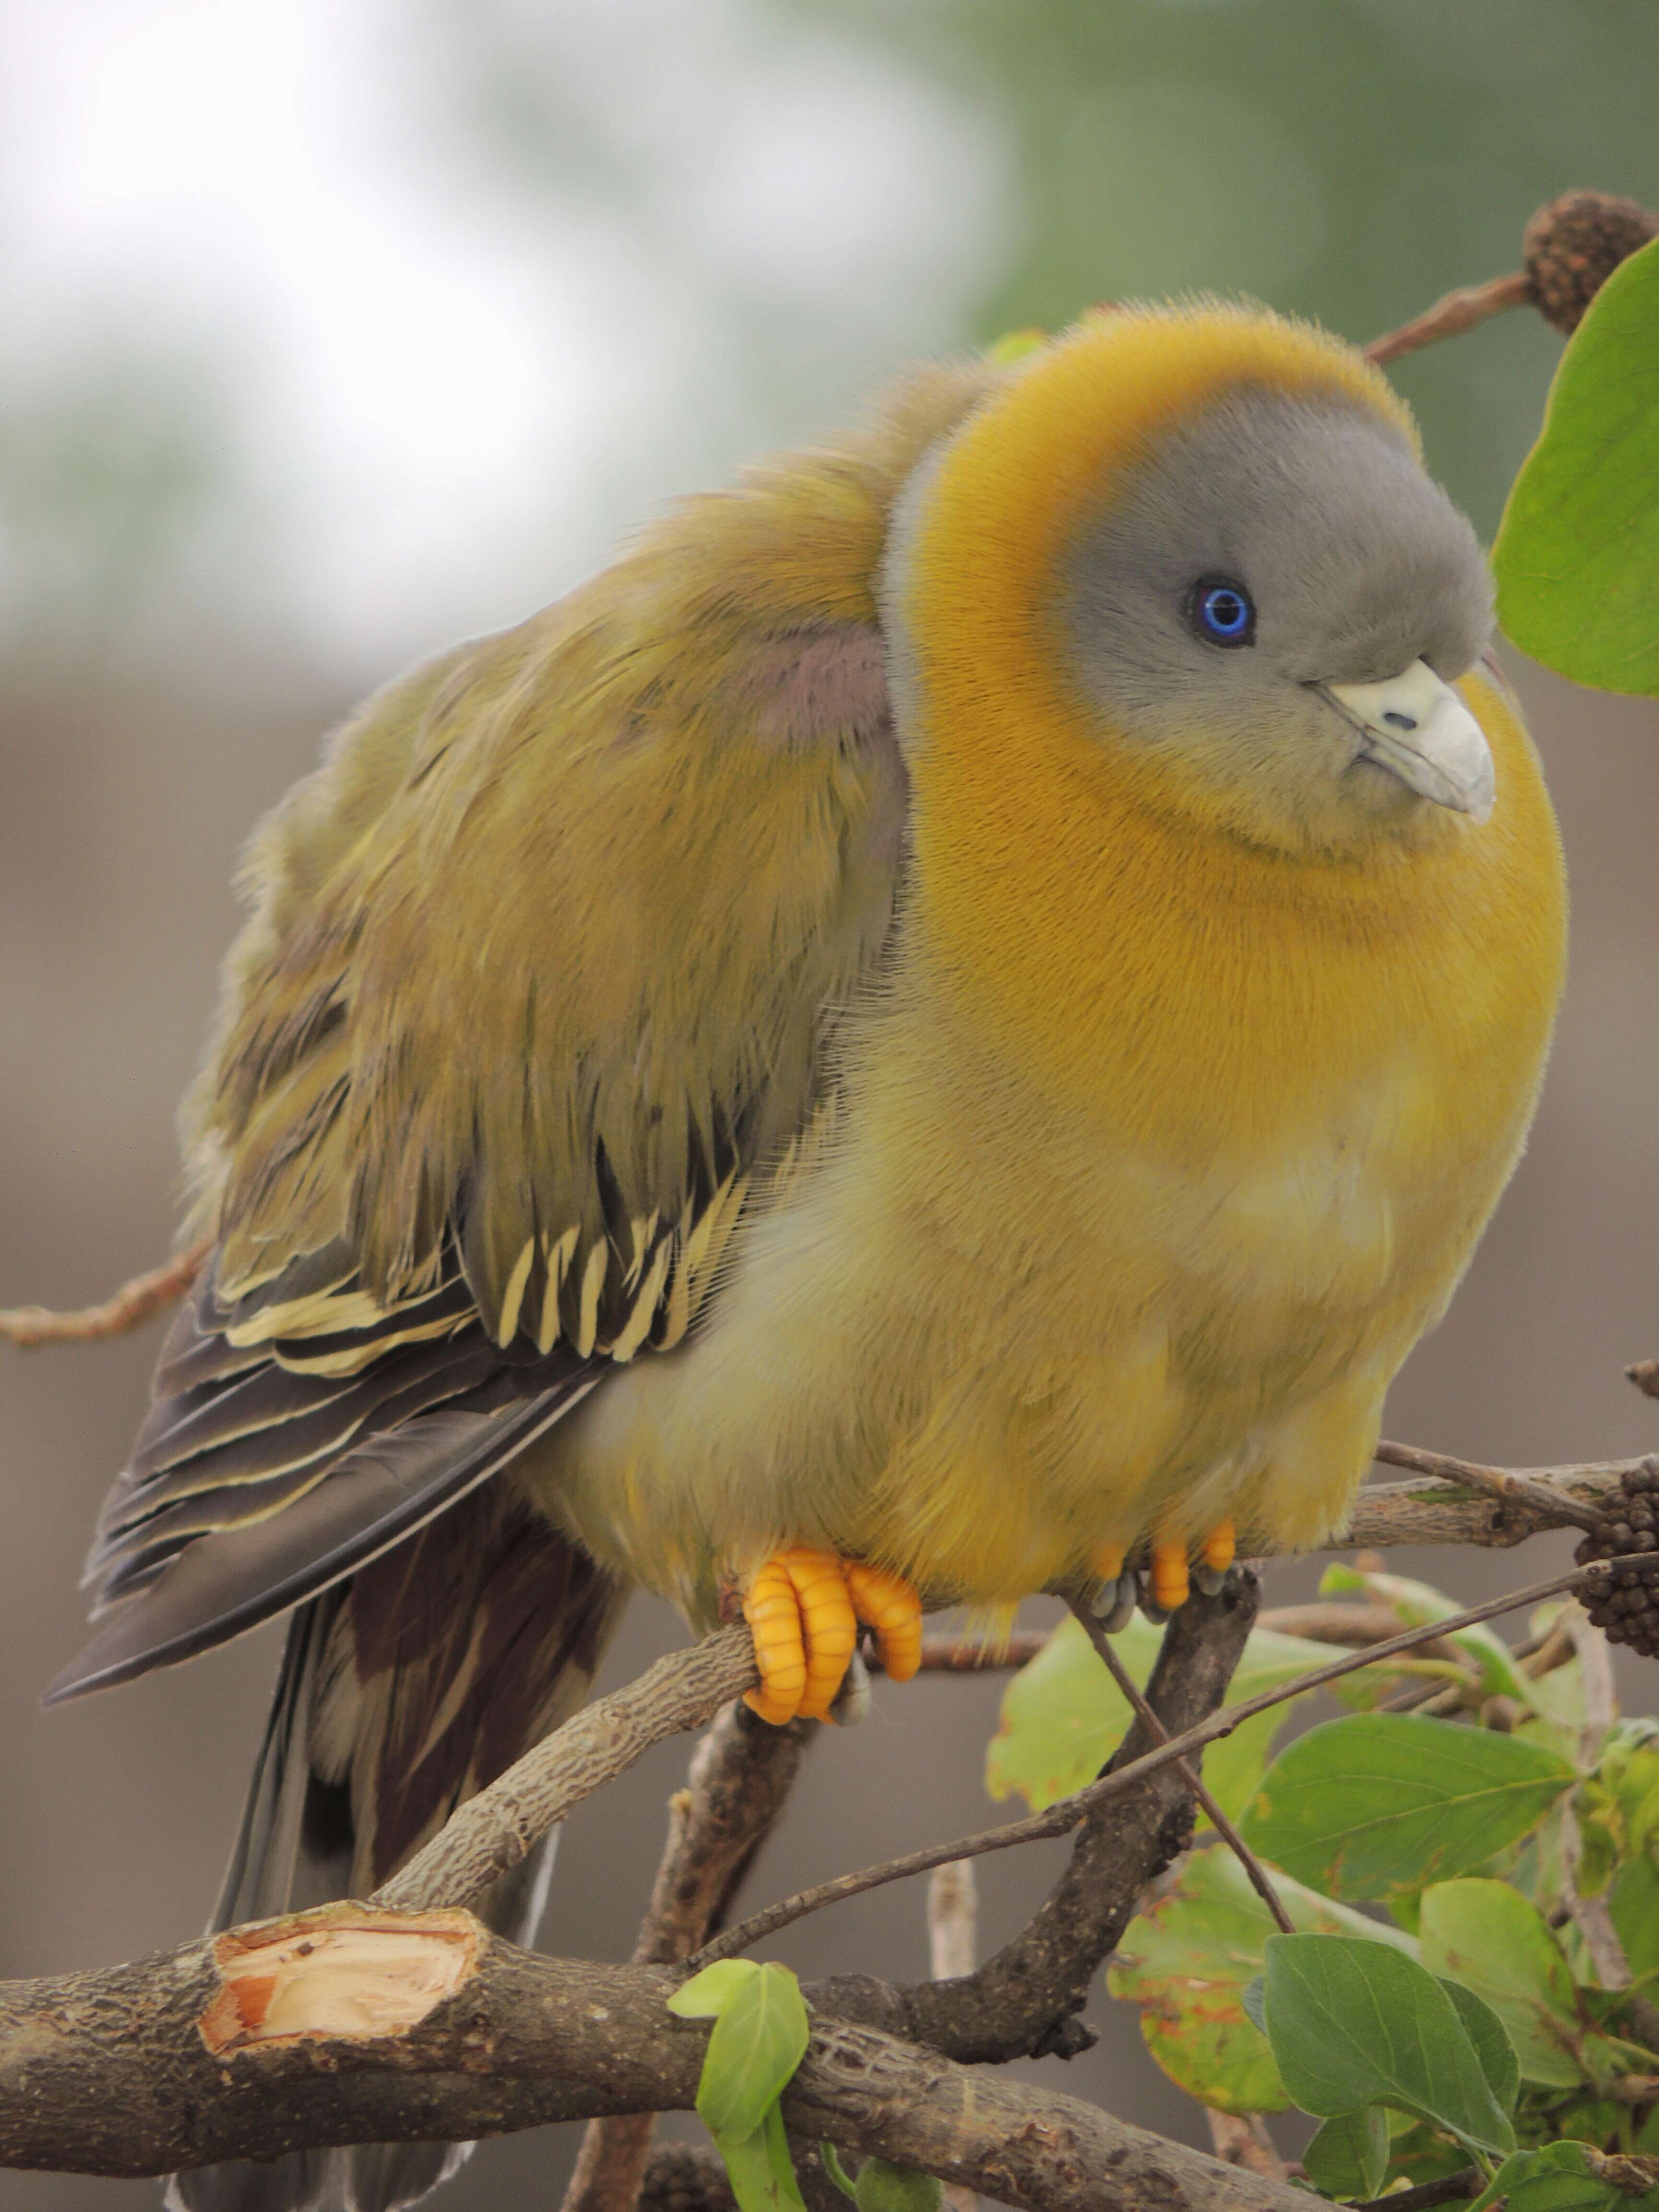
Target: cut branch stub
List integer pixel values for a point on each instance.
(359, 1975)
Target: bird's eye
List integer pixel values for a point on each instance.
(1222, 611)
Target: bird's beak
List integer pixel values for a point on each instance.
(1418, 729)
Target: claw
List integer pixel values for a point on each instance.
(1117, 1601)
(804, 1607)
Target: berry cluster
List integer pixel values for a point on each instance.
(1573, 246)
(1629, 1608)
(682, 2179)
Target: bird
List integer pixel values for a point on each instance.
(936, 1030)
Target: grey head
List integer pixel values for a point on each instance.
(1276, 600)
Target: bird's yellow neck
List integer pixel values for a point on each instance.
(1143, 965)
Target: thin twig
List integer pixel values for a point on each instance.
(503, 1825)
(1449, 317)
(740, 1776)
(132, 1305)
(1589, 1644)
(1065, 1813)
(952, 1920)
(1336, 1620)
(975, 1654)
(1246, 2142)
(1256, 1872)
(1446, 1510)
(953, 1949)
(1507, 1485)
(1451, 2189)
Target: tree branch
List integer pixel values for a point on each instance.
(131, 1306)
(1023, 2002)
(1066, 1813)
(1510, 1485)
(740, 1776)
(503, 1825)
(1433, 1512)
(1453, 314)
(1254, 1872)
(260, 2042)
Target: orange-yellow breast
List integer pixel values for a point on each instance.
(1159, 1149)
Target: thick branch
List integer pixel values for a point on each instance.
(1129, 1690)
(251, 2044)
(1441, 1512)
(1527, 1488)
(1023, 2001)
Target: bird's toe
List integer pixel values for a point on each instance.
(892, 1606)
(801, 1615)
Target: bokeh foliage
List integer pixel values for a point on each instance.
(1348, 160)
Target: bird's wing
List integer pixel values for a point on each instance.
(538, 974)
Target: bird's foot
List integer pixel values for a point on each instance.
(1216, 1555)
(804, 1607)
(1166, 1581)
(1172, 1575)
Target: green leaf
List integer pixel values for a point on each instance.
(760, 2038)
(882, 2187)
(1493, 2047)
(707, 1995)
(1063, 1715)
(1493, 1940)
(1381, 1804)
(1349, 2155)
(1633, 1902)
(1628, 1771)
(1415, 1604)
(1188, 1962)
(1356, 2023)
(1555, 2178)
(1578, 550)
(762, 2172)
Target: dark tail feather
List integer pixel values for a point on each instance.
(490, 1616)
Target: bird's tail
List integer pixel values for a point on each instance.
(402, 1692)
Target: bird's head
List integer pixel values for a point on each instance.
(1199, 548)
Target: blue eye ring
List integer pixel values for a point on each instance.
(1222, 611)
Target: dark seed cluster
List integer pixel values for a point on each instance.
(1629, 1609)
(1571, 247)
(682, 2179)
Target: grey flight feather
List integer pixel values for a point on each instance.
(223, 1585)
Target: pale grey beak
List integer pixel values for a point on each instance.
(1418, 729)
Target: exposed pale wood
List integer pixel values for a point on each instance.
(369, 1976)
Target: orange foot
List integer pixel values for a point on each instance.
(804, 1607)
(1171, 1579)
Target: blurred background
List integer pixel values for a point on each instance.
(338, 329)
